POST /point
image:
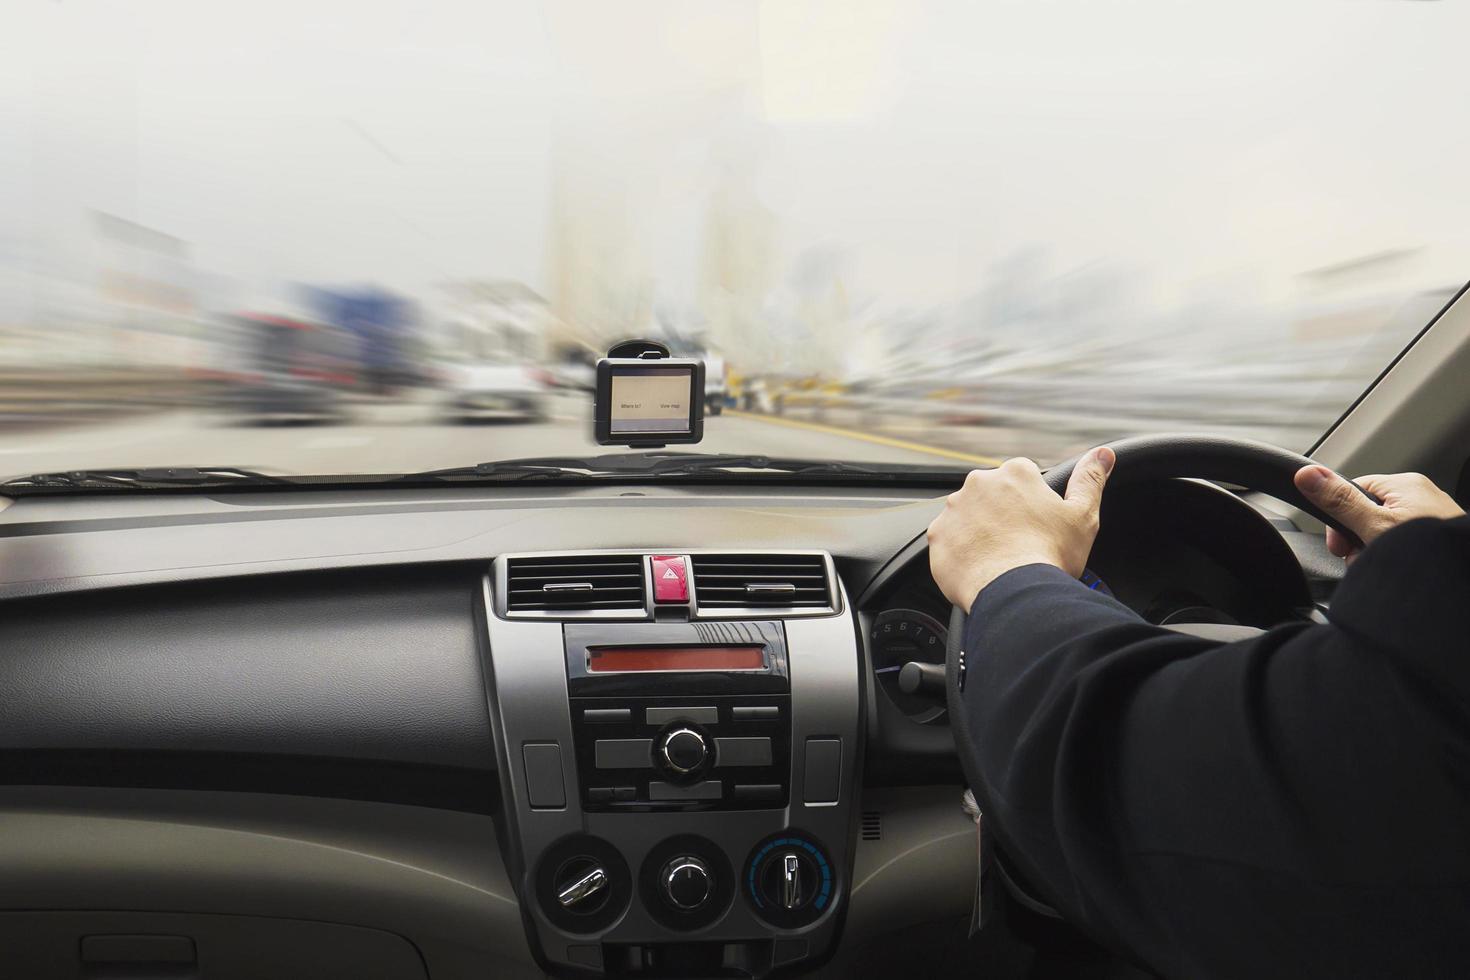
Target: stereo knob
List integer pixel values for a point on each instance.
(683, 750)
(686, 882)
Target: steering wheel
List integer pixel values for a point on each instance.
(1241, 462)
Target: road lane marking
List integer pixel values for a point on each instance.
(916, 447)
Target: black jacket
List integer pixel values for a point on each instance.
(1293, 805)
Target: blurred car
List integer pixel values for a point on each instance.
(382, 327)
(576, 371)
(283, 369)
(495, 392)
(716, 383)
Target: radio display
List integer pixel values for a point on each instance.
(617, 659)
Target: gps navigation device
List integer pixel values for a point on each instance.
(648, 401)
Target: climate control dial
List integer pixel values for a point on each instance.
(789, 881)
(582, 884)
(686, 883)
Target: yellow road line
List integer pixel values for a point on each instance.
(833, 430)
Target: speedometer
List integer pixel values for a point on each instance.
(899, 636)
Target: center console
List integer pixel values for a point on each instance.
(679, 740)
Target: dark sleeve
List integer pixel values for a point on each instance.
(1288, 805)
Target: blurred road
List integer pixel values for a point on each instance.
(383, 437)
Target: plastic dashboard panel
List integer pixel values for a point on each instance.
(361, 675)
(56, 545)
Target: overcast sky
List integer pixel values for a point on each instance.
(1226, 146)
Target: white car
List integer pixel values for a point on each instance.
(494, 392)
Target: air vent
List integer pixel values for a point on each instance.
(872, 825)
(570, 583)
(761, 582)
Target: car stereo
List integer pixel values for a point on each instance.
(664, 719)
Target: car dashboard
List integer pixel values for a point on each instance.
(633, 731)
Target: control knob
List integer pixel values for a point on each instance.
(790, 881)
(683, 751)
(581, 886)
(687, 883)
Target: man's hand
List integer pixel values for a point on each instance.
(1405, 496)
(1008, 517)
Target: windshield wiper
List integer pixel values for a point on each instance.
(668, 464)
(144, 478)
(612, 467)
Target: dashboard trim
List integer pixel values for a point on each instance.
(529, 697)
(500, 605)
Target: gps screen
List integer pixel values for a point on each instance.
(650, 400)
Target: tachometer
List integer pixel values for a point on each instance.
(901, 635)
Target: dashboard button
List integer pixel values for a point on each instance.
(544, 787)
(670, 578)
(701, 716)
(624, 794)
(599, 794)
(756, 712)
(743, 751)
(663, 792)
(758, 793)
(623, 753)
(823, 777)
(607, 716)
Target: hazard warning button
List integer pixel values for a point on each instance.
(670, 578)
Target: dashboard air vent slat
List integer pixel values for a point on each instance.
(596, 582)
(761, 581)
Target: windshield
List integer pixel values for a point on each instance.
(338, 238)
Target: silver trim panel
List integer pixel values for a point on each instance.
(529, 701)
(501, 604)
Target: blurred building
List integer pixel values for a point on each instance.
(145, 279)
(631, 167)
(737, 270)
(1355, 297)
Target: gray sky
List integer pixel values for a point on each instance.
(1196, 147)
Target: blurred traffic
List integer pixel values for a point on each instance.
(408, 248)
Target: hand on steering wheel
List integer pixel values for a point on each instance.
(1241, 462)
(1003, 519)
(1007, 517)
(1254, 466)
